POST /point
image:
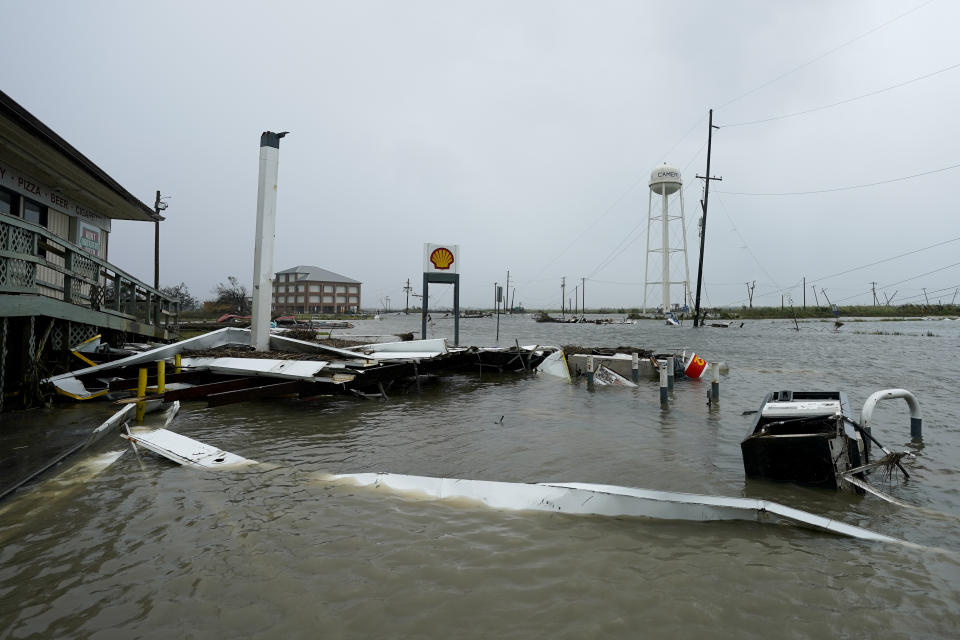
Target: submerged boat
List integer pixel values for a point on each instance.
(805, 437)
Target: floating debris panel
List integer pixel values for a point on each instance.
(184, 450)
(606, 377)
(605, 500)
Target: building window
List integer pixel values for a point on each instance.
(341, 289)
(328, 288)
(299, 299)
(314, 288)
(354, 290)
(299, 288)
(314, 298)
(341, 298)
(328, 298)
(354, 299)
(282, 299)
(9, 203)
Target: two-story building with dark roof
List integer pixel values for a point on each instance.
(309, 289)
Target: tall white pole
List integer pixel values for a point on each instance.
(666, 252)
(265, 237)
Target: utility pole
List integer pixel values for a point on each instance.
(890, 298)
(824, 292)
(407, 289)
(804, 292)
(750, 288)
(814, 287)
(703, 223)
(498, 294)
(925, 296)
(563, 296)
(508, 293)
(158, 206)
(575, 299)
(873, 287)
(583, 294)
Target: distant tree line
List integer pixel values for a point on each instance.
(229, 297)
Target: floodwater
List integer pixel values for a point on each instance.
(162, 551)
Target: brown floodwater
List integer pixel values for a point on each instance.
(275, 550)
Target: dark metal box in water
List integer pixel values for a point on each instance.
(804, 437)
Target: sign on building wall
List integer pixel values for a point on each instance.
(441, 258)
(38, 191)
(90, 238)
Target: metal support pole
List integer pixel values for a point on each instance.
(424, 311)
(635, 367)
(670, 366)
(715, 381)
(161, 376)
(264, 240)
(664, 389)
(456, 311)
(590, 372)
(141, 392)
(176, 363)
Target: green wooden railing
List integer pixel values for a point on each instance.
(35, 261)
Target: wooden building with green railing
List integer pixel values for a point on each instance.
(57, 285)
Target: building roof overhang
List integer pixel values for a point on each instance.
(34, 148)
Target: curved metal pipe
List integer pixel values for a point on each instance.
(916, 419)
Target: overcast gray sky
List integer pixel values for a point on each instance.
(523, 131)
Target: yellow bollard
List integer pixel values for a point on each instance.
(161, 376)
(141, 392)
(176, 363)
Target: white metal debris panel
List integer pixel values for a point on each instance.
(186, 451)
(286, 369)
(606, 500)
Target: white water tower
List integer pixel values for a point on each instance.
(666, 197)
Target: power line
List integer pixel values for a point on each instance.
(893, 284)
(920, 295)
(723, 206)
(872, 264)
(848, 188)
(846, 101)
(824, 55)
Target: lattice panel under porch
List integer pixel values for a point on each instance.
(80, 332)
(17, 273)
(16, 239)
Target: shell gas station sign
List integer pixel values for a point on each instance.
(441, 265)
(441, 258)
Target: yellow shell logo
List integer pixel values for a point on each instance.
(441, 258)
